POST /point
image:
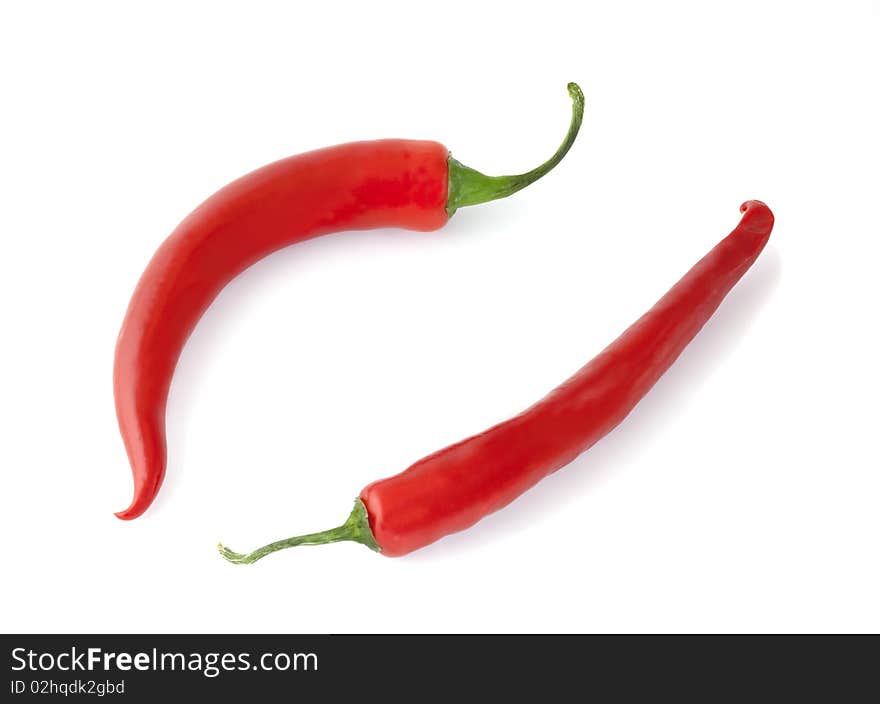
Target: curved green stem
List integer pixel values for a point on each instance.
(470, 187)
(356, 528)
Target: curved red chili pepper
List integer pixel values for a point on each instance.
(454, 488)
(388, 183)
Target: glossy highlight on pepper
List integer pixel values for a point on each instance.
(408, 184)
(454, 488)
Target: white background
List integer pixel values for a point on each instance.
(742, 494)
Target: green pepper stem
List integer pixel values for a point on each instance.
(356, 529)
(469, 187)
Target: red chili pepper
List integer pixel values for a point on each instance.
(388, 183)
(454, 488)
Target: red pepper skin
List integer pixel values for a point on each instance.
(358, 186)
(454, 488)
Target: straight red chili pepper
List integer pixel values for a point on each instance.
(414, 185)
(454, 488)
